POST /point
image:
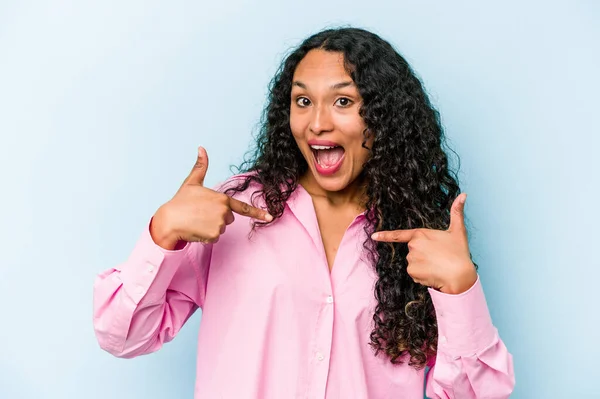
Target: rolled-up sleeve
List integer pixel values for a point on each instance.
(144, 302)
(472, 361)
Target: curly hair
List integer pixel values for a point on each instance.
(408, 181)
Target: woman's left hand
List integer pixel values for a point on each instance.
(439, 259)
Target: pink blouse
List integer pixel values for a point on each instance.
(277, 324)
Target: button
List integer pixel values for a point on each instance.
(140, 289)
(443, 339)
(329, 299)
(320, 356)
(150, 268)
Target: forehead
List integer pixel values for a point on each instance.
(321, 64)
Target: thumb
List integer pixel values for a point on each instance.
(198, 172)
(457, 214)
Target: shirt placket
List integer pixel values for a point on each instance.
(321, 349)
(321, 353)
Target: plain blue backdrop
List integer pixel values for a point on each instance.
(103, 104)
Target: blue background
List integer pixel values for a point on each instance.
(103, 104)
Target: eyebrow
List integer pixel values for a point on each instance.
(336, 86)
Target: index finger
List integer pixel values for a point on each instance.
(394, 236)
(244, 209)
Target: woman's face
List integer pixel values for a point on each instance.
(325, 122)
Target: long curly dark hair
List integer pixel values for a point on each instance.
(408, 180)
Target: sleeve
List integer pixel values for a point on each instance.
(472, 362)
(144, 302)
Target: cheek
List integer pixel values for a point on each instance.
(296, 127)
(360, 157)
(356, 137)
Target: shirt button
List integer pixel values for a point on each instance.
(320, 356)
(140, 289)
(150, 268)
(443, 339)
(329, 299)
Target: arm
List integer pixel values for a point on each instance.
(472, 362)
(145, 301)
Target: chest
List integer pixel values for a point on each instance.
(284, 267)
(332, 226)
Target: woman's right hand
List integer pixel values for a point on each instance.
(197, 213)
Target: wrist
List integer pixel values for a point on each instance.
(161, 233)
(461, 284)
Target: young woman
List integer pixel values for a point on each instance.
(335, 265)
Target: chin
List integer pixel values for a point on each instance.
(332, 183)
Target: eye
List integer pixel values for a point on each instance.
(344, 101)
(302, 102)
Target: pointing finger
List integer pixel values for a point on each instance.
(242, 208)
(394, 236)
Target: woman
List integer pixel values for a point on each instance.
(300, 298)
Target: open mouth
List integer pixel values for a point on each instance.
(328, 159)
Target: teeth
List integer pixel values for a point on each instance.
(322, 147)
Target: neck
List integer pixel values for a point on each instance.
(353, 194)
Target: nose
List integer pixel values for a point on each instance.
(321, 120)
